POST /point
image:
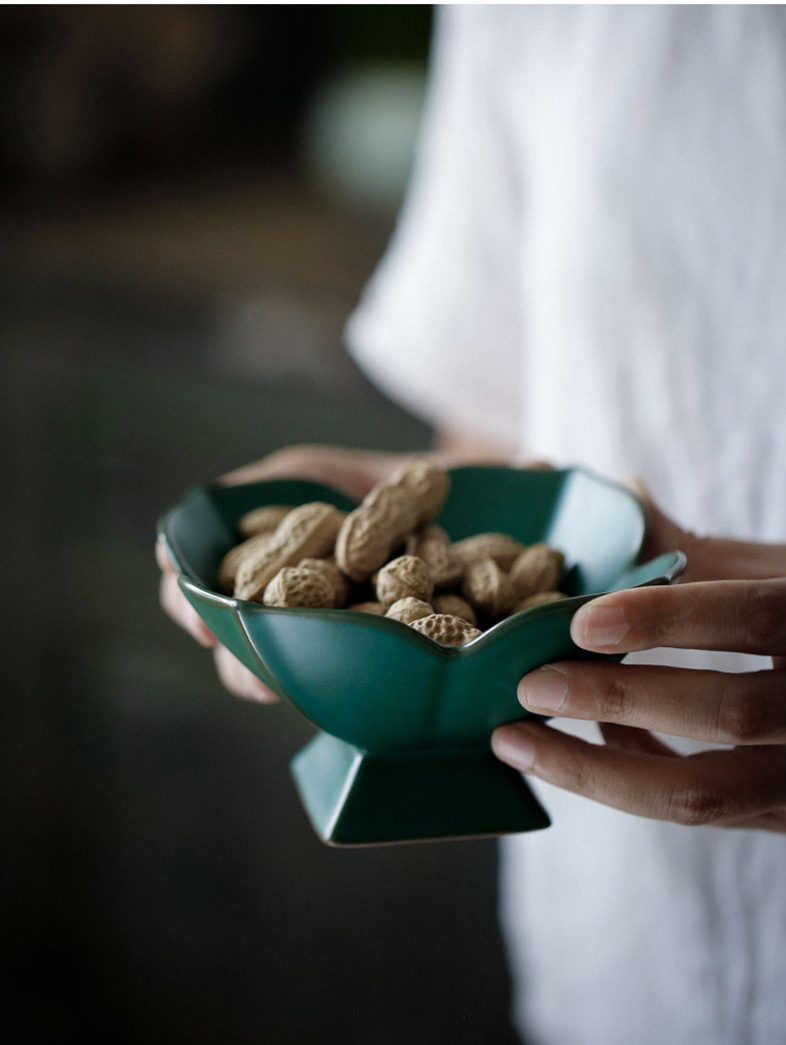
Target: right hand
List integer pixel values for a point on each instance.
(352, 471)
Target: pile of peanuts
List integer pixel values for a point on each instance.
(388, 557)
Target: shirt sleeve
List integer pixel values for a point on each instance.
(438, 327)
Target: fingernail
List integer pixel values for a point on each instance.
(600, 626)
(544, 689)
(514, 745)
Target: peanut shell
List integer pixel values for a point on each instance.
(538, 600)
(409, 609)
(434, 547)
(447, 630)
(393, 507)
(497, 546)
(333, 575)
(262, 520)
(227, 570)
(537, 569)
(371, 532)
(299, 586)
(368, 607)
(427, 483)
(455, 606)
(362, 546)
(402, 577)
(488, 588)
(307, 531)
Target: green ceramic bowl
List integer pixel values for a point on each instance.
(402, 750)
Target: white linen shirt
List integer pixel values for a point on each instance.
(591, 261)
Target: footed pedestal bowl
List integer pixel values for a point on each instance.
(402, 751)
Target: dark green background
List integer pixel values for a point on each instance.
(160, 881)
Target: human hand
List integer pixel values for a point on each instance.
(353, 471)
(732, 597)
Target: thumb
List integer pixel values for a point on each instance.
(663, 534)
(709, 558)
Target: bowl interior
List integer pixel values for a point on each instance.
(202, 527)
(598, 524)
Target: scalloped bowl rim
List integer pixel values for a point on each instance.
(563, 607)
(674, 563)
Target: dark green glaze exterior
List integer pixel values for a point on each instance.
(354, 798)
(413, 718)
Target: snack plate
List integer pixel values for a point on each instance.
(402, 750)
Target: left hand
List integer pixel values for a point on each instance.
(354, 471)
(732, 597)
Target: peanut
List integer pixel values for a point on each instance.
(262, 520)
(405, 576)
(455, 606)
(489, 590)
(538, 600)
(309, 555)
(537, 569)
(427, 484)
(368, 607)
(408, 609)
(434, 547)
(497, 546)
(307, 531)
(447, 630)
(362, 545)
(298, 586)
(227, 570)
(371, 532)
(333, 575)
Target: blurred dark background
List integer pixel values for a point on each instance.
(192, 200)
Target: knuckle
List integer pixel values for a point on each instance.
(743, 718)
(695, 804)
(764, 619)
(613, 701)
(578, 776)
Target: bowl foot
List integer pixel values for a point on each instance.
(353, 798)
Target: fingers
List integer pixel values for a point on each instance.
(176, 606)
(628, 738)
(663, 534)
(354, 471)
(713, 787)
(735, 615)
(235, 676)
(714, 706)
(239, 680)
(163, 561)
